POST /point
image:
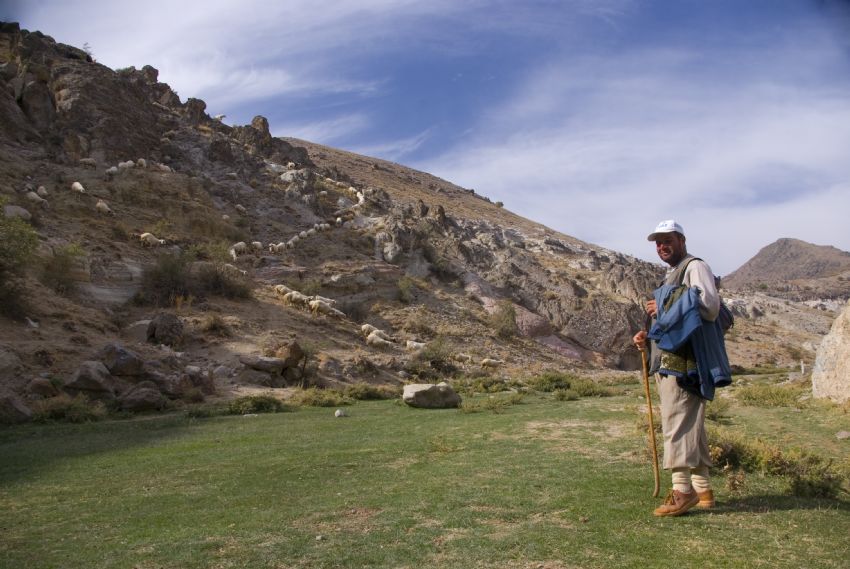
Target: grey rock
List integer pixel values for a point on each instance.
(14, 211)
(165, 328)
(266, 364)
(93, 380)
(120, 361)
(831, 374)
(144, 396)
(429, 396)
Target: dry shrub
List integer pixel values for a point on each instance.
(770, 396)
(503, 320)
(366, 392)
(256, 404)
(57, 270)
(314, 397)
(69, 409)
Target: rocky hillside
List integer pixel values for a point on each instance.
(795, 270)
(176, 257)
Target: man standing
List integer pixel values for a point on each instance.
(682, 408)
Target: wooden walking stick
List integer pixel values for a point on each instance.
(651, 425)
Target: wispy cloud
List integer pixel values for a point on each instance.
(323, 132)
(396, 149)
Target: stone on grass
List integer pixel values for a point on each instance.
(429, 396)
(831, 374)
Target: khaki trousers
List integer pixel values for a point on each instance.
(683, 425)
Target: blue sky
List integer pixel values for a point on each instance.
(597, 118)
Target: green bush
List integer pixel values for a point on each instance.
(503, 320)
(494, 403)
(256, 404)
(806, 474)
(550, 381)
(432, 361)
(406, 289)
(769, 396)
(68, 409)
(313, 397)
(566, 395)
(57, 270)
(589, 388)
(717, 410)
(170, 278)
(18, 241)
(366, 392)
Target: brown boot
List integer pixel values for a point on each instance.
(706, 500)
(677, 503)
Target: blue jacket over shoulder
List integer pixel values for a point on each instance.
(681, 323)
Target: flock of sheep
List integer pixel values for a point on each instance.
(317, 305)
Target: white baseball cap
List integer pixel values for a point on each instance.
(666, 226)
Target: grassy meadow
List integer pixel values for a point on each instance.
(541, 482)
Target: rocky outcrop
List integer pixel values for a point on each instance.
(165, 328)
(831, 374)
(93, 380)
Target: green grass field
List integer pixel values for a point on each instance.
(545, 483)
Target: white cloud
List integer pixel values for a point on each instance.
(323, 132)
(396, 149)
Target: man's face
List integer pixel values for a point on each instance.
(670, 248)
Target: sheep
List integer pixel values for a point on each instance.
(328, 301)
(491, 363)
(277, 247)
(164, 168)
(233, 269)
(126, 165)
(257, 246)
(338, 221)
(302, 235)
(282, 289)
(377, 341)
(111, 171)
(88, 162)
(42, 192)
(369, 330)
(225, 217)
(219, 118)
(463, 358)
(293, 242)
(102, 207)
(150, 240)
(310, 232)
(142, 163)
(296, 298)
(241, 209)
(37, 199)
(78, 189)
(412, 345)
(321, 307)
(238, 249)
(291, 165)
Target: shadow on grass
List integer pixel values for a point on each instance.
(28, 450)
(775, 503)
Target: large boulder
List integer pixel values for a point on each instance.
(429, 396)
(165, 328)
(831, 374)
(120, 361)
(144, 396)
(42, 387)
(93, 380)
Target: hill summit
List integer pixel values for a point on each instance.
(795, 270)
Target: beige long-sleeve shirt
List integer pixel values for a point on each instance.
(698, 274)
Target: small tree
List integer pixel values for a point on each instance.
(503, 320)
(17, 243)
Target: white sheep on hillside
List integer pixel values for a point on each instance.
(463, 358)
(103, 208)
(491, 363)
(37, 199)
(367, 329)
(282, 289)
(237, 249)
(412, 345)
(378, 342)
(126, 165)
(111, 171)
(257, 246)
(163, 168)
(326, 300)
(42, 192)
(321, 307)
(78, 189)
(241, 209)
(150, 240)
(142, 163)
(293, 242)
(277, 247)
(219, 118)
(295, 298)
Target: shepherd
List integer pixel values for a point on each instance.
(688, 358)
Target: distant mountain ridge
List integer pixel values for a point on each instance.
(795, 269)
